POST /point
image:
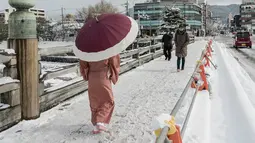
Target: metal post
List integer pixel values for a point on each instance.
(139, 20)
(205, 18)
(184, 11)
(63, 27)
(150, 27)
(127, 8)
(22, 34)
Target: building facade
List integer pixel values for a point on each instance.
(247, 12)
(154, 10)
(248, 1)
(192, 13)
(4, 15)
(230, 18)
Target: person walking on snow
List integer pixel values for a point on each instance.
(99, 53)
(100, 76)
(168, 45)
(181, 40)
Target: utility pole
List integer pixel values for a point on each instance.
(127, 8)
(205, 18)
(63, 27)
(184, 11)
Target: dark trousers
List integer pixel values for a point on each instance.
(168, 53)
(179, 62)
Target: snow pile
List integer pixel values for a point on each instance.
(240, 77)
(53, 66)
(44, 44)
(228, 115)
(198, 128)
(51, 44)
(233, 119)
(199, 123)
(5, 80)
(249, 52)
(7, 51)
(60, 80)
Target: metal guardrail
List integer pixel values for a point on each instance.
(189, 113)
(163, 135)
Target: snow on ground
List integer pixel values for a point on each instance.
(53, 66)
(198, 127)
(245, 62)
(249, 52)
(140, 95)
(232, 105)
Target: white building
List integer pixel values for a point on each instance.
(230, 18)
(247, 12)
(201, 1)
(248, 1)
(4, 15)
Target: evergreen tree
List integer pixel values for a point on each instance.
(172, 19)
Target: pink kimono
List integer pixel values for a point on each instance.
(99, 76)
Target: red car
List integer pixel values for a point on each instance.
(242, 39)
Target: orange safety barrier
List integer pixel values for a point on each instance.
(203, 76)
(207, 64)
(209, 51)
(176, 137)
(194, 83)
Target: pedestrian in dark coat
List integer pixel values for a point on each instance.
(181, 41)
(168, 45)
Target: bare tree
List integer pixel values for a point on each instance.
(92, 11)
(3, 32)
(69, 17)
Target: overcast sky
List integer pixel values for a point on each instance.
(53, 6)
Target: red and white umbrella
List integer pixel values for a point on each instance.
(105, 36)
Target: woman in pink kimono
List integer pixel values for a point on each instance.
(100, 75)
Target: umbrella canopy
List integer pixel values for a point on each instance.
(105, 36)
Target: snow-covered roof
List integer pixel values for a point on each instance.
(73, 25)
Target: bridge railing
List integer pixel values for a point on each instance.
(50, 96)
(10, 109)
(163, 135)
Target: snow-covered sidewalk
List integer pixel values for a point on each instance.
(140, 95)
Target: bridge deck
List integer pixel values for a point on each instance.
(140, 95)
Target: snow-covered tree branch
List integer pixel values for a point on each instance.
(172, 19)
(92, 11)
